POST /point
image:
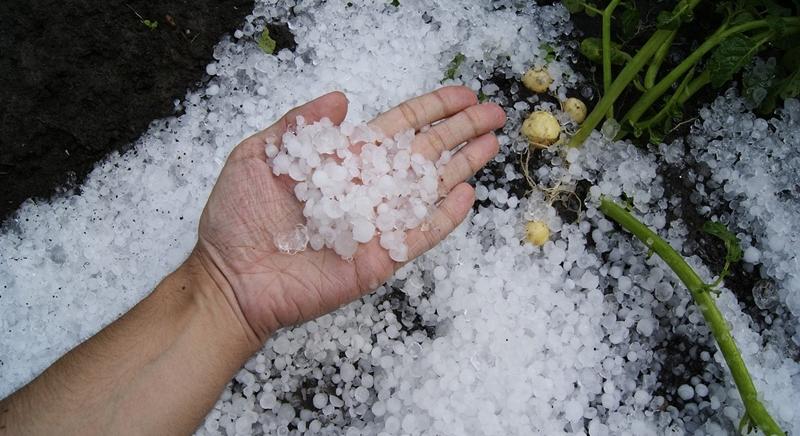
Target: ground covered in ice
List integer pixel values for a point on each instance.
(484, 334)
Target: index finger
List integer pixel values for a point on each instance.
(425, 109)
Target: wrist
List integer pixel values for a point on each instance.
(217, 304)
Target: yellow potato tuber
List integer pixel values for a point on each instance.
(537, 80)
(575, 108)
(541, 129)
(537, 233)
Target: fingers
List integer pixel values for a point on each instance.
(332, 105)
(468, 161)
(424, 110)
(472, 122)
(451, 211)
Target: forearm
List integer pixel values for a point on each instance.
(156, 370)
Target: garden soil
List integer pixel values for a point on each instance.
(80, 79)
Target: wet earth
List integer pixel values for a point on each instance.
(81, 79)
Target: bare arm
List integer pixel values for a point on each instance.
(156, 370)
(160, 368)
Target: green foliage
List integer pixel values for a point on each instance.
(733, 251)
(748, 27)
(549, 50)
(790, 86)
(755, 415)
(266, 43)
(784, 82)
(452, 68)
(152, 25)
(629, 22)
(729, 57)
(671, 20)
(574, 6)
(395, 3)
(746, 425)
(592, 49)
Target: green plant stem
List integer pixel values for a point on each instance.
(654, 93)
(624, 77)
(685, 91)
(607, 14)
(591, 8)
(618, 86)
(655, 64)
(754, 409)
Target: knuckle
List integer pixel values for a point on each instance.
(436, 139)
(473, 163)
(474, 119)
(450, 215)
(441, 99)
(409, 114)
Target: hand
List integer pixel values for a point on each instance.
(268, 289)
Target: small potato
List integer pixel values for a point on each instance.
(537, 80)
(537, 233)
(575, 108)
(541, 129)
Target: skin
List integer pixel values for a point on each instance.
(161, 367)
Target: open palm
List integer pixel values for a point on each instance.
(249, 205)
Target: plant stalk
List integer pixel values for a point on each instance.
(652, 70)
(685, 91)
(618, 86)
(654, 93)
(754, 409)
(625, 76)
(606, 44)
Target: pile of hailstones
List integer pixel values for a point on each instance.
(354, 182)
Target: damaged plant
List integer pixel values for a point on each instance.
(747, 28)
(756, 415)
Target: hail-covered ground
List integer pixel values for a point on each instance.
(485, 334)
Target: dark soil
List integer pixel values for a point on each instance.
(80, 79)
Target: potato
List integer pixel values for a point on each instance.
(541, 129)
(575, 108)
(537, 80)
(537, 233)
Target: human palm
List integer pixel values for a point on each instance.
(249, 205)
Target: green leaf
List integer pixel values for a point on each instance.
(452, 68)
(790, 86)
(573, 6)
(733, 251)
(758, 82)
(666, 20)
(777, 25)
(395, 3)
(550, 52)
(746, 425)
(266, 43)
(786, 82)
(730, 56)
(629, 22)
(152, 25)
(592, 48)
(732, 247)
(671, 20)
(783, 43)
(775, 9)
(742, 17)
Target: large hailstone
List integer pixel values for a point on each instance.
(350, 197)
